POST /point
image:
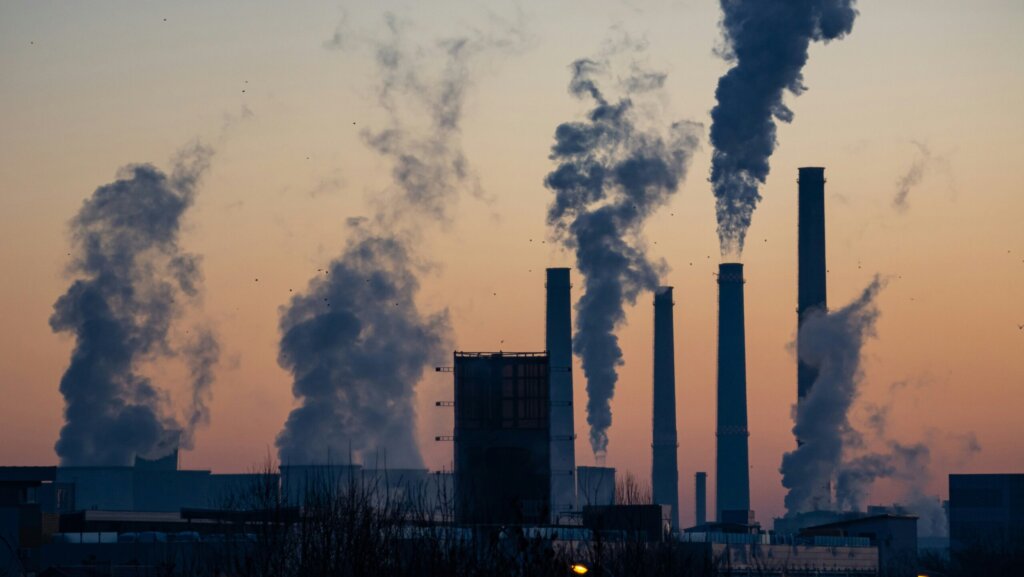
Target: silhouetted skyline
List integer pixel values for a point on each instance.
(324, 118)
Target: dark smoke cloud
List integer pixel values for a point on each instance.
(831, 342)
(612, 174)
(356, 343)
(133, 284)
(767, 42)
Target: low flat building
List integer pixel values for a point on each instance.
(751, 553)
(629, 522)
(895, 536)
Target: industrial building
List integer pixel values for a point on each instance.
(894, 536)
(649, 523)
(502, 438)
(744, 549)
(986, 512)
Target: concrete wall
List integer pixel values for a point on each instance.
(101, 488)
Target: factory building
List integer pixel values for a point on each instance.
(502, 438)
(648, 523)
(895, 537)
(744, 549)
(986, 512)
(145, 489)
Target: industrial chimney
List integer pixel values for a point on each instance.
(664, 466)
(701, 494)
(558, 342)
(732, 478)
(810, 262)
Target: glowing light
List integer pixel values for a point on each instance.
(580, 569)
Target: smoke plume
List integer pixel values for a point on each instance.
(832, 343)
(766, 41)
(133, 285)
(356, 345)
(832, 452)
(612, 174)
(912, 465)
(923, 163)
(356, 342)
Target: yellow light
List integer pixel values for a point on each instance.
(580, 569)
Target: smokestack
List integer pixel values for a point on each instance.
(810, 263)
(558, 342)
(664, 467)
(732, 478)
(701, 515)
(614, 170)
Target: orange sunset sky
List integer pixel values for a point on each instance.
(87, 87)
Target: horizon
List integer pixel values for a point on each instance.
(914, 116)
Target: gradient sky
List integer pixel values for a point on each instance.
(86, 87)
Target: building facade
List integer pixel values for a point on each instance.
(502, 438)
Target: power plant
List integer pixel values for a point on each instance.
(513, 458)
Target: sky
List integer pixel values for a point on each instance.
(86, 88)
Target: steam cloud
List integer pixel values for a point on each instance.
(356, 343)
(832, 343)
(909, 464)
(832, 450)
(134, 285)
(612, 174)
(767, 42)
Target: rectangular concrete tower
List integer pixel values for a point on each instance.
(665, 446)
(732, 476)
(558, 342)
(810, 261)
(700, 516)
